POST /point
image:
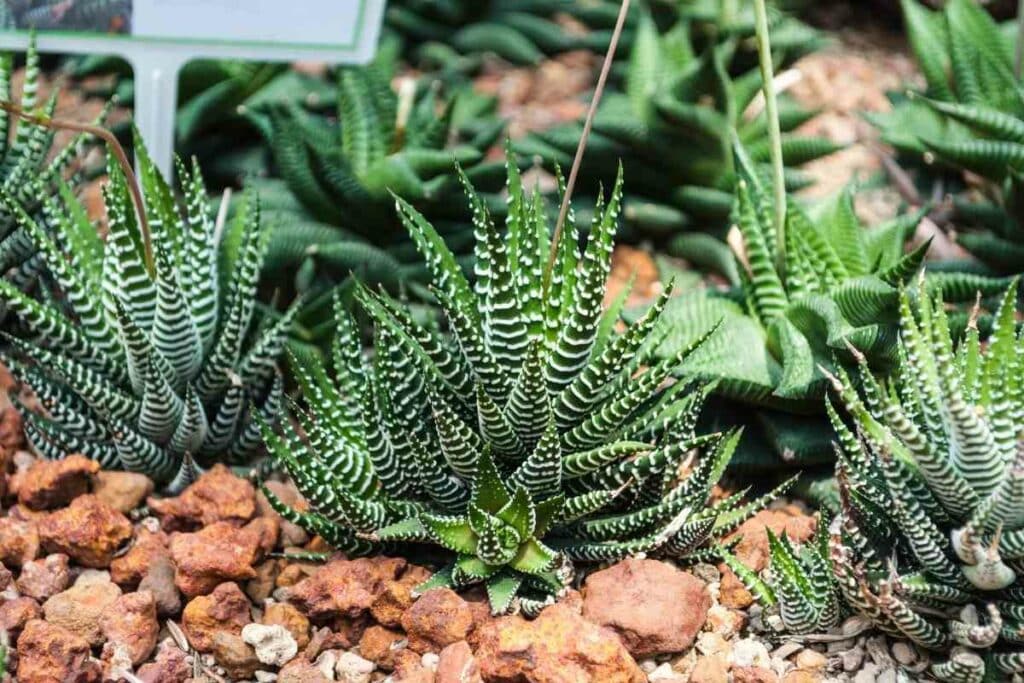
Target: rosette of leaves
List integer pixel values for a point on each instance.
(969, 120)
(341, 173)
(530, 438)
(837, 285)
(798, 587)
(31, 171)
(929, 542)
(145, 360)
(519, 31)
(672, 127)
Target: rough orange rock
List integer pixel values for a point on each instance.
(128, 569)
(409, 669)
(731, 591)
(225, 609)
(170, 666)
(290, 618)
(49, 653)
(214, 554)
(217, 496)
(14, 614)
(388, 608)
(44, 577)
(300, 670)
(52, 483)
(344, 587)
(130, 621)
(80, 609)
(753, 674)
(559, 645)
(19, 541)
(89, 531)
(458, 665)
(438, 619)
(379, 645)
(654, 607)
(710, 669)
(235, 655)
(123, 491)
(752, 549)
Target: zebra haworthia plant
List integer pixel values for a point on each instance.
(530, 438)
(929, 542)
(145, 364)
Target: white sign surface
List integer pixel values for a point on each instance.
(158, 36)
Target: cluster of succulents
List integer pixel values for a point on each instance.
(142, 348)
(672, 125)
(530, 438)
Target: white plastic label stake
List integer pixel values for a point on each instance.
(158, 37)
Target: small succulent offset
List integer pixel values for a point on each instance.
(145, 360)
(530, 438)
(672, 126)
(929, 542)
(29, 170)
(971, 118)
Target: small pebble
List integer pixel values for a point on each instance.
(903, 653)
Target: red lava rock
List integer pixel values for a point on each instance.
(235, 655)
(752, 550)
(43, 578)
(344, 587)
(52, 483)
(159, 582)
(123, 491)
(397, 596)
(710, 669)
(170, 666)
(19, 542)
(6, 577)
(379, 645)
(301, 671)
(89, 531)
(214, 554)
(131, 621)
(217, 496)
(290, 618)
(753, 674)
(457, 665)
(559, 645)
(654, 607)
(48, 653)
(129, 569)
(438, 619)
(80, 609)
(409, 669)
(225, 609)
(14, 614)
(267, 530)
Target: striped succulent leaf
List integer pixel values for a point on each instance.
(929, 542)
(522, 441)
(146, 370)
(31, 172)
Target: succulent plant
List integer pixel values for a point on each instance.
(529, 439)
(520, 31)
(970, 119)
(672, 127)
(31, 171)
(929, 541)
(145, 360)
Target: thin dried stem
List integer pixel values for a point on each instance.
(563, 210)
(40, 119)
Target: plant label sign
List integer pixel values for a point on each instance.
(158, 36)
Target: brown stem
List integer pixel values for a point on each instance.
(587, 124)
(40, 119)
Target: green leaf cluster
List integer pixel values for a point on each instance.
(526, 438)
(151, 366)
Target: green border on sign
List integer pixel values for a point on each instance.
(95, 35)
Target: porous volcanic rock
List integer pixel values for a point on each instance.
(131, 621)
(344, 587)
(654, 607)
(216, 496)
(49, 484)
(437, 619)
(88, 531)
(216, 553)
(150, 545)
(45, 577)
(19, 541)
(80, 608)
(123, 491)
(48, 653)
(225, 609)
